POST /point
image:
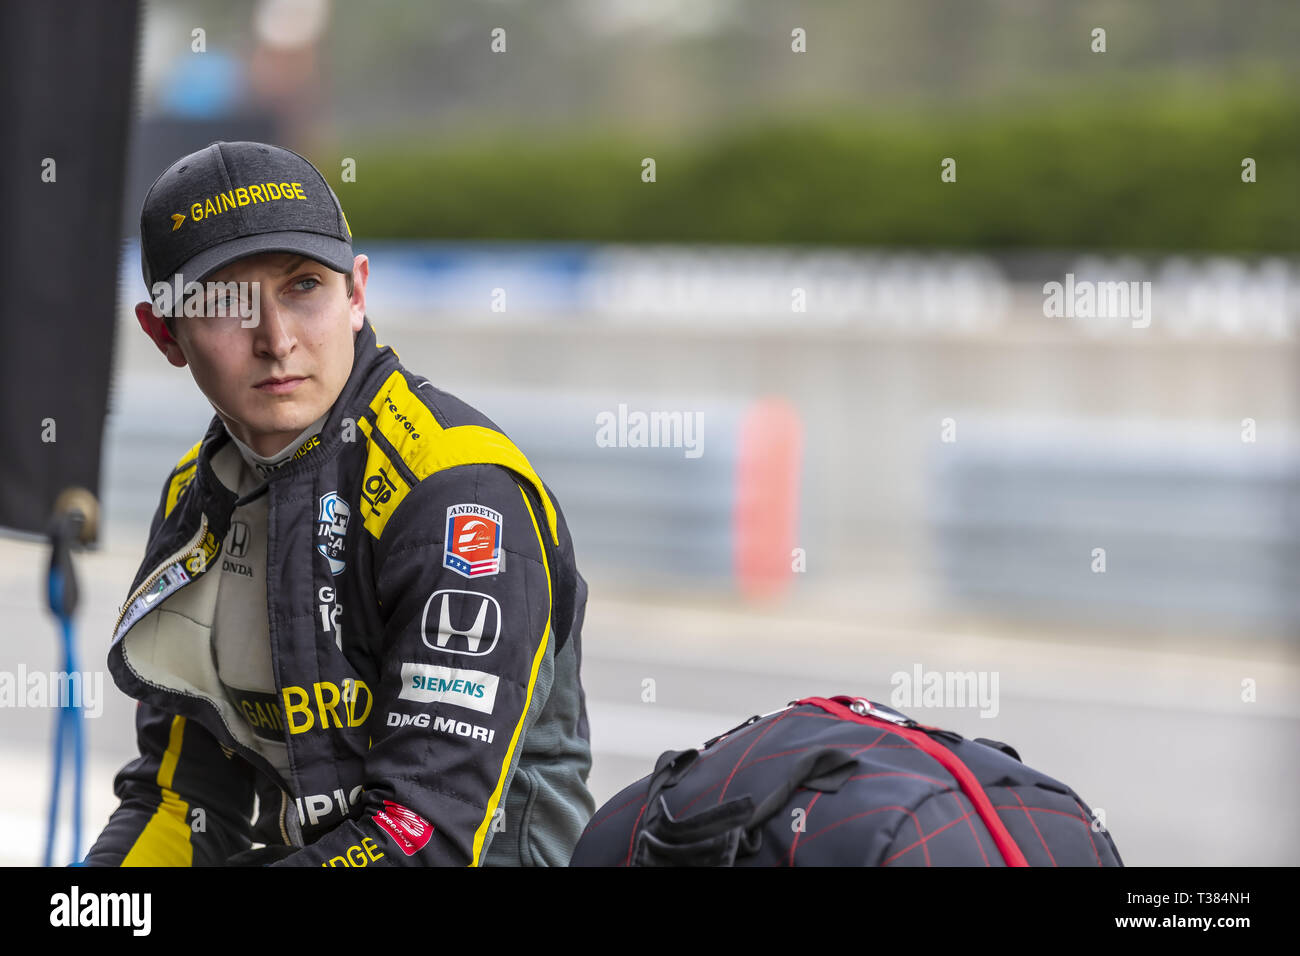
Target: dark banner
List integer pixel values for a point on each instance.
(919, 908)
(68, 71)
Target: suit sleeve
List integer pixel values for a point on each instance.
(183, 801)
(466, 669)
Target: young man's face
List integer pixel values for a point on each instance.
(270, 381)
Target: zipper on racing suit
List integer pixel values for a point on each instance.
(287, 827)
(159, 571)
(284, 811)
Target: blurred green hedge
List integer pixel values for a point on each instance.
(1124, 170)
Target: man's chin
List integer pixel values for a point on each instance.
(285, 425)
(291, 425)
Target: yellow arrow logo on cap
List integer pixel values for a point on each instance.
(177, 219)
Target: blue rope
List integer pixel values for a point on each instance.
(67, 731)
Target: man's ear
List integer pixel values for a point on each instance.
(156, 329)
(360, 273)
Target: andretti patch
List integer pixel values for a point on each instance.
(473, 546)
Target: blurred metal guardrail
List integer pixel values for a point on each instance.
(665, 495)
(1142, 523)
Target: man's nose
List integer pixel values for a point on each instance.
(273, 334)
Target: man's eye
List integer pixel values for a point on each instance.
(315, 282)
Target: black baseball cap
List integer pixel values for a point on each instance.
(231, 200)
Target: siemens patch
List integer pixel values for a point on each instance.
(430, 684)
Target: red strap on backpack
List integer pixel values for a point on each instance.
(1006, 844)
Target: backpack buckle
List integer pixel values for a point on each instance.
(865, 708)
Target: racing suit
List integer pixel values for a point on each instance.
(424, 612)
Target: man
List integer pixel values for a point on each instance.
(355, 634)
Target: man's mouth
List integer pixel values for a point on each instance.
(280, 386)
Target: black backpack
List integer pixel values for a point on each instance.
(844, 782)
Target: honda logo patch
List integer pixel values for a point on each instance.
(473, 547)
(237, 539)
(461, 622)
